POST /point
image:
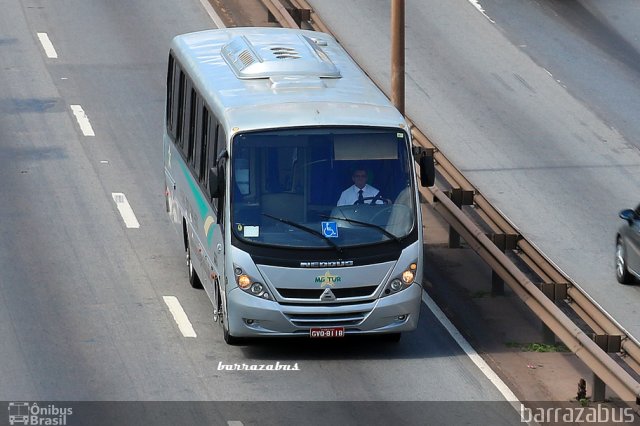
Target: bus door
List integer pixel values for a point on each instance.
(215, 222)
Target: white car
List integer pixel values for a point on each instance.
(628, 247)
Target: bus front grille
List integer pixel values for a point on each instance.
(327, 320)
(314, 294)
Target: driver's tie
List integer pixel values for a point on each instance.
(360, 197)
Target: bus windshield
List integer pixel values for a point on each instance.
(322, 187)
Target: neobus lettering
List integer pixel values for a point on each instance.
(333, 264)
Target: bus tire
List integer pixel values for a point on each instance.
(228, 338)
(194, 280)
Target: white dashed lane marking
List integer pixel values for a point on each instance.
(83, 120)
(49, 50)
(125, 210)
(180, 316)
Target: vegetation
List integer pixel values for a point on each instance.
(538, 347)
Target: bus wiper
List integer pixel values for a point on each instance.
(370, 225)
(304, 228)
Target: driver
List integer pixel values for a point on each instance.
(360, 192)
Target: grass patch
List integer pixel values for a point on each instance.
(538, 347)
(479, 294)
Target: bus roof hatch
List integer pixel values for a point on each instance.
(285, 55)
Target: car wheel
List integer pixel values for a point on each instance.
(622, 273)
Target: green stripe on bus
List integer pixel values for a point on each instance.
(203, 207)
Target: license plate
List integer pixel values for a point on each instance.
(326, 332)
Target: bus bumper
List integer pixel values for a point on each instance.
(250, 316)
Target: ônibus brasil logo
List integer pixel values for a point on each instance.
(26, 413)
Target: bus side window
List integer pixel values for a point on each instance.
(197, 135)
(180, 109)
(187, 141)
(220, 145)
(170, 89)
(191, 138)
(175, 97)
(212, 129)
(202, 169)
(212, 160)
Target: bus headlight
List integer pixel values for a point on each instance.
(244, 281)
(408, 276)
(250, 285)
(257, 288)
(401, 282)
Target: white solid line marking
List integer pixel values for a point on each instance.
(471, 353)
(234, 423)
(212, 13)
(49, 50)
(179, 316)
(478, 6)
(83, 120)
(125, 210)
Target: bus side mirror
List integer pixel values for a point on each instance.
(427, 169)
(216, 176)
(215, 183)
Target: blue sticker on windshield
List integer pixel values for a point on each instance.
(330, 229)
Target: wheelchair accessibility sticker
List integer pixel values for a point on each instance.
(330, 229)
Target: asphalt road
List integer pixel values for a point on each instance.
(536, 102)
(82, 311)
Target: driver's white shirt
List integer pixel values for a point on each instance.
(350, 195)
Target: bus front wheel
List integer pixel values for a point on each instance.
(228, 338)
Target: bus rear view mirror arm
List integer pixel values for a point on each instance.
(427, 169)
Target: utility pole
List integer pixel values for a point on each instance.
(397, 54)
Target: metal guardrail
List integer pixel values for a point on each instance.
(570, 334)
(280, 13)
(585, 307)
(609, 336)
